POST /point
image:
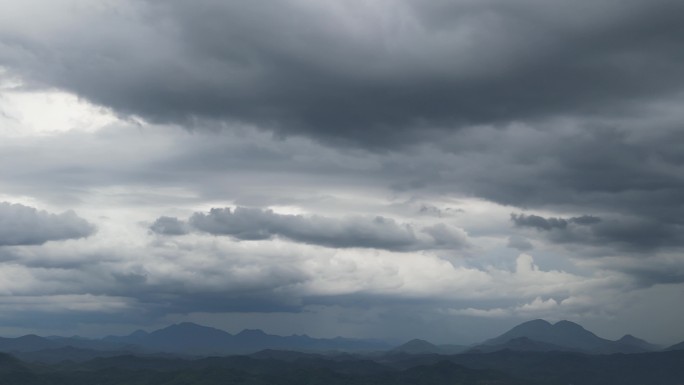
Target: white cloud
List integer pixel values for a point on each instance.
(47, 113)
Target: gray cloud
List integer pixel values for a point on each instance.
(352, 71)
(542, 223)
(24, 225)
(588, 165)
(625, 234)
(519, 243)
(585, 220)
(445, 236)
(256, 224)
(169, 226)
(538, 222)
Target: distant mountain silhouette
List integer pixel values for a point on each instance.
(417, 346)
(541, 335)
(452, 349)
(26, 343)
(521, 344)
(630, 344)
(679, 346)
(564, 334)
(190, 338)
(129, 338)
(9, 363)
(185, 337)
(65, 353)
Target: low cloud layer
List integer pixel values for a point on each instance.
(542, 223)
(623, 234)
(24, 225)
(257, 224)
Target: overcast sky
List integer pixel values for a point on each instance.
(394, 169)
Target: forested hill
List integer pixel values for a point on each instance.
(285, 368)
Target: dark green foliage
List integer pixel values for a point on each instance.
(662, 368)
(286, 368)
(241, 370)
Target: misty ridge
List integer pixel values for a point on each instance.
(534, 352)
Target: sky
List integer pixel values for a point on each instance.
(389, 169)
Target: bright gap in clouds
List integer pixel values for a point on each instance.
(28, 112)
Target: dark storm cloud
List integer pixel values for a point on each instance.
(378, 232)
(653, 273)
(359, 71)
(542, 223)
(23, 225)
(630, 165)
(627, 171)
(626, 234)
(538, 222)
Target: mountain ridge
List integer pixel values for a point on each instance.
(564, 336)
(190, 339)
(679, 346)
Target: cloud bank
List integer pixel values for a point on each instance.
(373, 73)
(23, 225)
(257, 224)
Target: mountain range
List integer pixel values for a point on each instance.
(533, 353)
(418, 346)
(189, 339)
(541, 335)
(679, 346)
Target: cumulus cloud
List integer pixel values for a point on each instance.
(256, 224)
(169, 226)
(24, 225)
(185, 274)
(537, 308)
